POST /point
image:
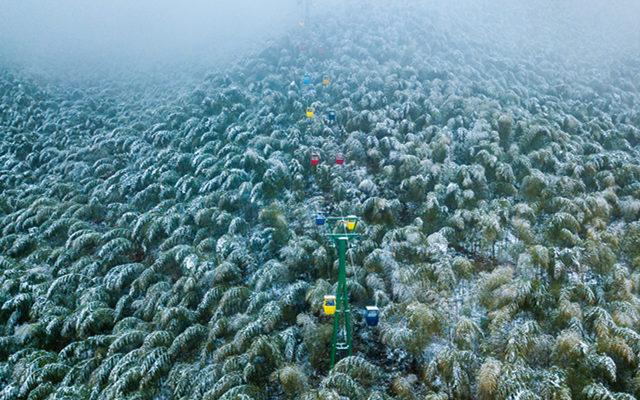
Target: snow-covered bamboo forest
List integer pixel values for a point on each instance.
(157, 239)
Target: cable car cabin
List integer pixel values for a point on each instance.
(331, 116)
(325, 80)
(306, 80)
(350, 223)
(372, 315)
(315, 159)
(320, 219)
(339, 159)
(310, 112)
(329, 304)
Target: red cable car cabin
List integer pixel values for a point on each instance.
(339, 159)
(315, 159)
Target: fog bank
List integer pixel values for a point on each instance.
(136, 34)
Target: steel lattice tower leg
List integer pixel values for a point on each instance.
(342, 320)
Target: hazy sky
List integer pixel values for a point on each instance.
(127, 32)
(133, 33)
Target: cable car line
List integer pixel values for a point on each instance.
(335, 305)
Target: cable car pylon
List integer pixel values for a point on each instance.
(305, 12)
(342, 230)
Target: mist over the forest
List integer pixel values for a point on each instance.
(144, 34)
(585, 30)
(75, 36)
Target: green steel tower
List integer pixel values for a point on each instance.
(341, 339)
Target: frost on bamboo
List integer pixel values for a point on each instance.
(168, 251)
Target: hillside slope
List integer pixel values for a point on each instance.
(160, 246)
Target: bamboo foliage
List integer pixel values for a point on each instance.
(159, 242)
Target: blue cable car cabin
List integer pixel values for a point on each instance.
(372, 315)
(306, 80)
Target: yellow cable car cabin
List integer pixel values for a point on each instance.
(350, 223)
(310, 112)
(329, 304)
(325, 80)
